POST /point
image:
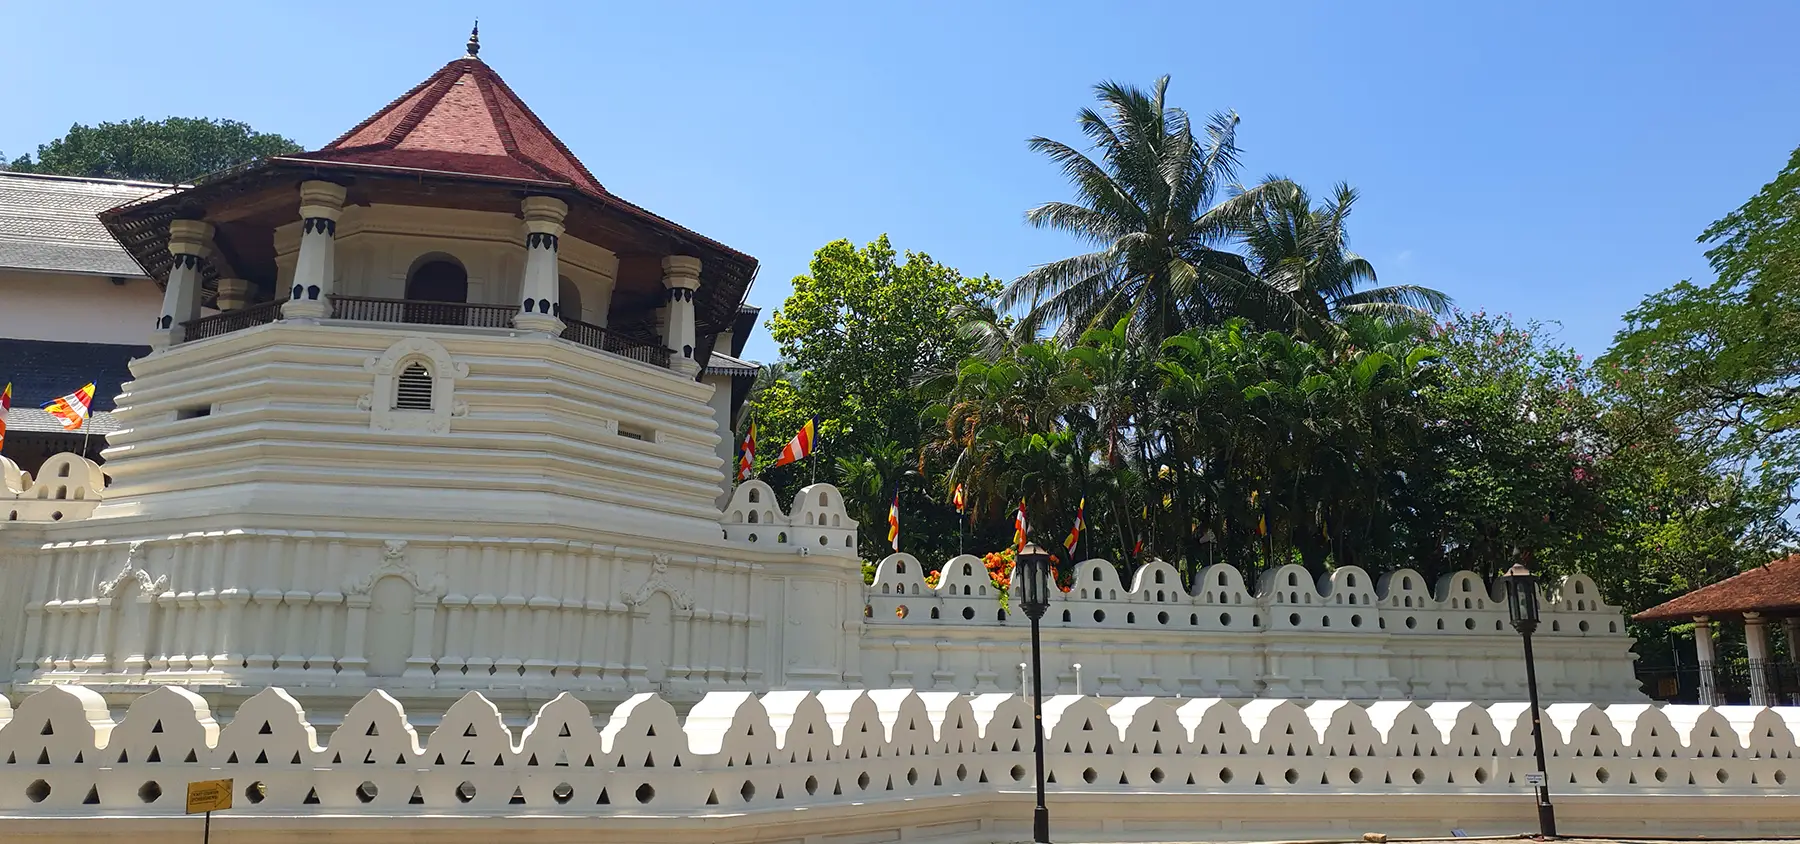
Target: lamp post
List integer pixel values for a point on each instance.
(1031, 588)
(1522, 605)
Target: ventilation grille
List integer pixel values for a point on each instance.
(413, 392)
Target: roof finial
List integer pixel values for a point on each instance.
(475, 39)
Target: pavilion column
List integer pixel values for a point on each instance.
(681, 277)
(234, 293)
(1703, 655)
(189, 243)
(538, 310)
(315, 270)
(1756, 643)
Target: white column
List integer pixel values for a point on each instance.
(1703, 655)
(315, 270)
(681, 277)
(189, 242)
(543, 228)
(234, 293)
(1756, 643)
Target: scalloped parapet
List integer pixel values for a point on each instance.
(736, 754)
(67, 488)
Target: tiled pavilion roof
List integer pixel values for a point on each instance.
(1773, 588)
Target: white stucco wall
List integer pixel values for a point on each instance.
(77, 309)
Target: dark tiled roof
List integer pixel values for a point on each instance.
(1771, 588)
(724, 364)
(41, 370)
(48, 224)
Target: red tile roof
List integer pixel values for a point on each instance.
(464, 119)
(1771, 588)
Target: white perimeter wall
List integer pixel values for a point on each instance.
(882, 765)
(77, 309)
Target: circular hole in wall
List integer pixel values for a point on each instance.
(1781, 777)
(1411, 622)
(1723, 776)
(1089, 775)
(748, 792)
(150, 792)
(1418, 777)
(1355, 775)
(1162, 618)
(1481, 776)
(1469, 623)
(1294, 619)
(1156, 775)
(1225, 619)
(1292, 776)
(256, 791)
(753, 537)
(1018, 772)
(1356, 621)
(821, 541)
(812, 785)
(900, 611)
(645, 793)
(862, 781)
(1583, 627)
(1224, 775)
(1099, 615)
(38, 791)
(912, 776)
(1662, 775)
(56, 516)
(367, 792)
(962, 773)
(465, 792)
(562, 793)
(1602, 775)
(968, 613)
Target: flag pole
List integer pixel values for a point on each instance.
(87, 429)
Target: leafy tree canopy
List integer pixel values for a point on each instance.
(177, 149)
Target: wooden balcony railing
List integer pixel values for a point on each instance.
(226, 322)
(366, 309)
(595, 337)
(410, 312)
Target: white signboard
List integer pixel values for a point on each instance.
(1534, 778)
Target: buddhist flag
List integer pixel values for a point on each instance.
(6, 405)
(957, 498)
(72, 410)
(894, 521)
(801, 445)
(1075, 532)
(1137, 548)
(1019, 529)
(747, 454)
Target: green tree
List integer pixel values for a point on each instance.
(1147, 206)
(177, 149)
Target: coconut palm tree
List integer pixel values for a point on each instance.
(1146, 205)
(1302, 252)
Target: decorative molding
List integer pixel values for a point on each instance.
(394, 562)
(658, 582)
(445, 371)
(146, 585)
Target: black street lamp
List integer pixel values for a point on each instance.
(1522, 605)
(1032, 590)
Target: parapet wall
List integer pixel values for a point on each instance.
(870, 754)
(1349, 635)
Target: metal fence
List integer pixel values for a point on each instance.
(1725, 683)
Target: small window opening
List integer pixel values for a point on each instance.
(413, 390)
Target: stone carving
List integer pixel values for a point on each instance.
(146, 585)
(394, 562)
(658, 582)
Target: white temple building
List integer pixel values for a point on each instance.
(462, 422)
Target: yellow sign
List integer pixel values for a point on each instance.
(208, 796)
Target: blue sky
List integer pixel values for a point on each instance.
(1551, 160)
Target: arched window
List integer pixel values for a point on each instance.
(568, 299)
(752, 517)
(755, 496)
(63, 472)
(824, 500)
(899, 566)
(412, 390)
(436, 279)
